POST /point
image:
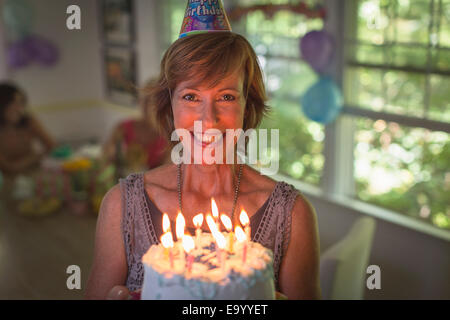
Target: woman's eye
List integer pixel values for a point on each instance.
(228, 97)
(189, 97)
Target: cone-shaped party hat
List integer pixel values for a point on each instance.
(204, 16)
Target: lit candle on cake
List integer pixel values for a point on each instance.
(242, 238)
(167, 242)
(198, 221)
(165, 223)
(211, 224)
(229, 226)
(180, 225)
(188, 245)
(167, 239)
(245, 221)
(215, 212)
(221, 253)
(220, 241)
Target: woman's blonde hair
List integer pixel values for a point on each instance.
(208, 58)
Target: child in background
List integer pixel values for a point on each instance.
(135, 144)
(19, 131)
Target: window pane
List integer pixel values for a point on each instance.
(364, 88)
(287, 77)
(404, 169)
(408, 56)
(439, 98)
(441, 59)
(404, 93)
(390, 91)
(412, 20)
(301, 141)
(444, 34)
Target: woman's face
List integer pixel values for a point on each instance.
(220, 107)
(15, 111)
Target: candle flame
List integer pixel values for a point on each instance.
(188, 243)
(220, 239)
(240, 234)
(180, 225)
(211, 224)
(244, 218)
(166, 223)
(198, 220)
(167, 240)
(226, 222)
(214, 209)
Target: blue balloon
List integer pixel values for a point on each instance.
(18, 17)
(322, 102)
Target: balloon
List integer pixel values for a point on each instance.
(18, 16)
(323, 101)
(18, 55)
(317, 48)
(30, 48)
(43, 50)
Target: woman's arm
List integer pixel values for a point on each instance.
(299, 271)
(109, 267)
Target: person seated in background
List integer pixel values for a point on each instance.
(19, 133)
(135, 144)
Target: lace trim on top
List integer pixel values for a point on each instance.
(139, 234)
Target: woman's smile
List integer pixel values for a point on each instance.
(207, 140)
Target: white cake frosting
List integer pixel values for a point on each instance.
(207, 280)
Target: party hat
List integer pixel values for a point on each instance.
(204, 16)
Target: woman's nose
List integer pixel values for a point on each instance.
(209, 117)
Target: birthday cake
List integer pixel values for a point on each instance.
(207, 273)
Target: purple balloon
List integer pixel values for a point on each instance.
(43, 50)
(18, 55)
(317, 48)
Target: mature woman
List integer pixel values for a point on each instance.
(19, 131)
(214, 78)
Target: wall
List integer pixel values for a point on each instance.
(413, 265)
(69, 98)
(77, 75)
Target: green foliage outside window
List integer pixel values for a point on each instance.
(399, 63)
(276, 42)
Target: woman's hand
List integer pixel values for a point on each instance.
(280, 296)
(122, 293)
(119, 293)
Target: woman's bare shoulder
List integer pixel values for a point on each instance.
(111, 204)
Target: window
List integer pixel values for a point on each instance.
(397, 88)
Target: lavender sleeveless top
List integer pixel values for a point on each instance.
(141, 225)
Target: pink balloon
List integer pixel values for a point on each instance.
(317, 48)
